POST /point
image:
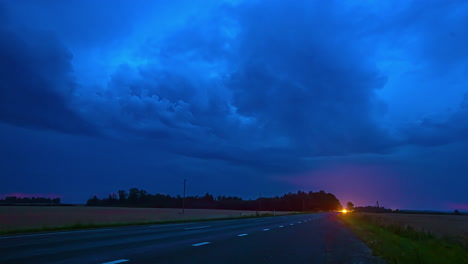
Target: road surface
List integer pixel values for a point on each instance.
(310, 238)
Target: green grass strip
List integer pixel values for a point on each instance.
(402, 245)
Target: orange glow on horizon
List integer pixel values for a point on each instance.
(344, 211)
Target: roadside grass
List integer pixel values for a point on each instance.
(404, 244)
(90, 225)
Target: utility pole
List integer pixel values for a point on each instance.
(260, 202)
(183, 199)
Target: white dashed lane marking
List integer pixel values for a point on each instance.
(241, 235)
(201, 244)
(266, 229)
(280, 226)
(291, 224)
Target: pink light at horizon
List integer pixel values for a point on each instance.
(361, 184)
(458, 206)
(30, 195)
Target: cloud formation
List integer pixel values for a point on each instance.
(267, 88)
(36, 81)
(441, 131)
(256, 78)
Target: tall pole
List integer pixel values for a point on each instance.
(260, 202)
(183, 200)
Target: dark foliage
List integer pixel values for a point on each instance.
(29, 200)
(373, 209)
(300, 201)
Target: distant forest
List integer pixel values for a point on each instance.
(300, 201)
(29, 200)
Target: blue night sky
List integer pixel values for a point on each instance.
(364, 99)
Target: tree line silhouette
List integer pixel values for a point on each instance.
(29, 200)
(300, 201)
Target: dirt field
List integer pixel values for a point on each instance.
(22, 217)
(441, 225)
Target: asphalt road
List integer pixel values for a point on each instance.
(311, 238)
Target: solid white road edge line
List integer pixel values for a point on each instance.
(168, 225)
(116, 261)
(241, 235)
(201, 244)
(198, 227)
(55, 233)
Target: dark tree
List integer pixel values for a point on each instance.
(300, 201)
(133, 195)
(30, 200)
(122, 195)
(93, 201)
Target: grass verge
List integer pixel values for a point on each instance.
(81, 226)
(403, 244)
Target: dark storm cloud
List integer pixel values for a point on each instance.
(251, 77)
(436, 36)
(81, 23)
(35, 81)
(434, 30)
(254, 79)
(441, 131)
(236, 90)
(248, 78)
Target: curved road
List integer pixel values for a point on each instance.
(309, 238)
